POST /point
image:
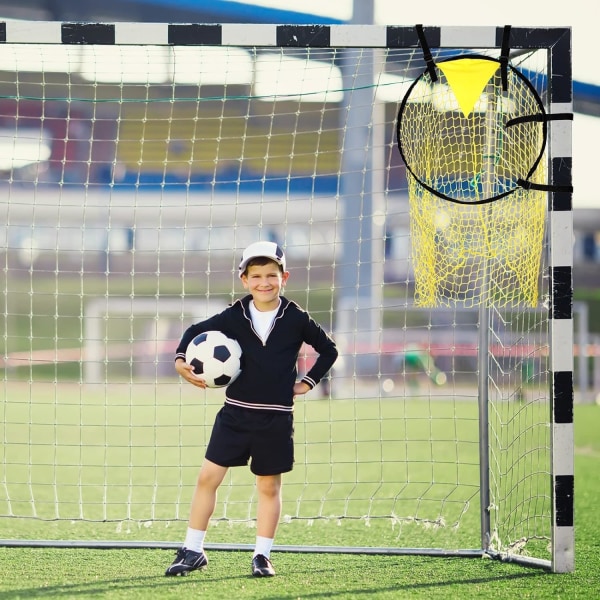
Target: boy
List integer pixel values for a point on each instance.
(256, 421)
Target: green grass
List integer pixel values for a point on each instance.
(132, 453)
(138, 573)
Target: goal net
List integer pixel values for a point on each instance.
(138, 160)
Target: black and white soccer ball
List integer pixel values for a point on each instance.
(215, 357)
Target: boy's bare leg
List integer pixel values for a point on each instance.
(204, 499)
(190, 556)
(269, 504)
(269, 512)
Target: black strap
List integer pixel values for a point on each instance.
(504, 52)
(528, 185)
(540, 118)
(426, 53)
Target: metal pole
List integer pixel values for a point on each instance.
(361, 234)
(484, 332)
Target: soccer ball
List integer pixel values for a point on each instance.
(215, 358)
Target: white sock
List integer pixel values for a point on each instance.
(263, 546)
(194, 540)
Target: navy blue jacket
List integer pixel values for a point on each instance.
(269, 369)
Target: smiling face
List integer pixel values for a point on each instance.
(265, 283)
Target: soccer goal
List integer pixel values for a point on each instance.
(419, 181)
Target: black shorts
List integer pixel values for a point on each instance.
(264, 437)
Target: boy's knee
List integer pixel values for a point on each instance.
(210, 476)
(268, 486)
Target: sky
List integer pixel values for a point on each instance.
(549, 13)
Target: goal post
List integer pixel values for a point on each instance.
(139, 159)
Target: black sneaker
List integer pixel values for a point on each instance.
(186, 561)
(262, 567)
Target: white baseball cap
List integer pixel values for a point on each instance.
(267, 249)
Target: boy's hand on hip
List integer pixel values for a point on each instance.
(300, 387)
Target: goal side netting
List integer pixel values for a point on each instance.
(138, 160)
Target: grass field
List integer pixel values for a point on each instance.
(121, 454)
(73, 572)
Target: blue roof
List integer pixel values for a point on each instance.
(243, 13)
